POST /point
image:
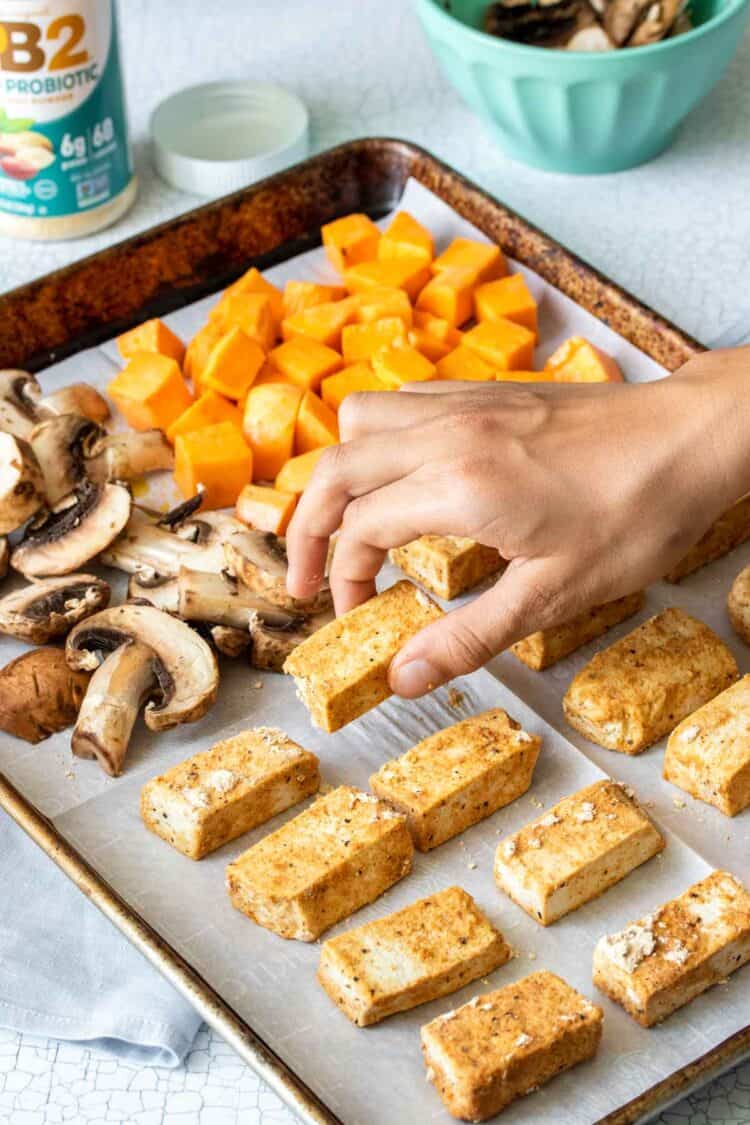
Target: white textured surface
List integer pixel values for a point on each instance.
(363, 69)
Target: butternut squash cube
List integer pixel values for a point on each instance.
(484, 258)
(233, 364)
(400, 364)
(252, 312)
(406, 238)
(409, 274)
(358, 377)
(578, 361)
(265, 508)
(269, 374)
(465, 364)
(254, 282)
(350, 240)
(150, 391)
(508, 298)
(430, 346)
(316, 424)
(441, 329)
(305, 362)
(360, 341)
(524, 377)
(216, 459)
(449, 295)
(301, 295)
(381, 302)
(151, 336)
(198, 351)
(268, 425)
(322, 322)
(205, 411)
(502, 343)
(295, 476)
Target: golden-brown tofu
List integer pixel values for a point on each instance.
(342, 852)
(637, 690)
(459, 776)
(663, 961)
(504, 1044)
(217, 795)
(424, 951)
(540, 650)
(708, 754)
(738, 604)
(342, 670)
(729, 530)
(448, 565)
(576, 851)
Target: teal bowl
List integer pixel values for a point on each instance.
(574, 111)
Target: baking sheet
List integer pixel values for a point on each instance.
(375, 1075)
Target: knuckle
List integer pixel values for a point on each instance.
(351, 411)
(332, 467)
(465, 650)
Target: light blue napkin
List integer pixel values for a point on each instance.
(67, 973)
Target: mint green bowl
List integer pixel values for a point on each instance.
(573, 111)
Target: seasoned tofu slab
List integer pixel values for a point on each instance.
(448, 565)
(728, 531)
(342, 670)
(663, 961)
(426, 950)
(459, 776)
(576, 851)
(540, 650)
(708, 755)
(215, 796)
(637, 690)
(504, 1044)
(336, 856)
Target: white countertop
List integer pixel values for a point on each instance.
(364, 69)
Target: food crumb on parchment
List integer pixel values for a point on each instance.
(455, 698)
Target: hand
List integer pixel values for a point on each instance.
(590, 491)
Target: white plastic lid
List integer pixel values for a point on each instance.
(221, 136)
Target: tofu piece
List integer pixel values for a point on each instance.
(504, 1044)
(663, 961)
(428, 949)
(637, 690)
(342, 852)
(728, 531)
(213, 797)
(708, 754)
(576, 851)
(459, 776)
(342, 670)
(738, 604)
(540, 650)
(447, 565)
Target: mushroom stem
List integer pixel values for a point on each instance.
(126, 456)
(143, 547)
(212, 597)
(21, 483)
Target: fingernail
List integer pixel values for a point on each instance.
(414, 678)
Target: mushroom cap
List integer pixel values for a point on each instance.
(259, 560)
(50, 608)
(39, 694)
(59, 444)
(186, 671)
(19, 395)
(21, 483)
(77, 398)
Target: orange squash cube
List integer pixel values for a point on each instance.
(449, 295)
(301, 295)
(305, 362)
(484, 258)
(268, 425)
(150, 391)
(441, 329)
(151, 336)
(360, 341)
(322, 322)
(409, 274)
(524, 377)
(503, 343)
(429, 345)
(252, 312)
(578, 361)
(350, 240)
(465, 364)
(400, 364)
(508, 298)
(216, 460)
(198, 351)
(254, 282)
(316, 424)
(233, 364)
(269, 374)
(295, 476)
(205, 411)
(380, 302)
(358, 377)
(265, 508)
(405, 237)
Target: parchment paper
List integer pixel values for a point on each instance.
(375, 1076)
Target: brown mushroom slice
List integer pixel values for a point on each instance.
(4, 556)
(656, 23)
(19, 395)
(50, 608)
(77, 398)
(127, 455)
(146, 549)
(21, 483)
(259, 560)
(591, 38)
(59, 444)
(223, 601)
(76, 530)
(230, 642)
(39, 694)
(621, 18)
(272, 645)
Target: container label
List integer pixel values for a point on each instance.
(63, 131)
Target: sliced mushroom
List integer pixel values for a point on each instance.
(76, 530)
(39, 694)
(223, 601)
(272, 645)
(78, 398)
(128, 455)
(656, 23)
(146, 549)
(592, 38)
(21, 483)
(19, 396)
(622, 16)
(259, 560)
(230, 642)
(545, 25)
(50, 608)
(59, 445)
(160, 592)
(4, 556)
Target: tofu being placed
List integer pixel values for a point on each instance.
(663, 961)
(448, 565)
(539, 650)
(504, 1044)
(342, 852)
(342, 670)
(428, 949)
(726, 533)
(637, 690)
(708, 754)
(217, 795)
(459, 776)
(576, 851)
